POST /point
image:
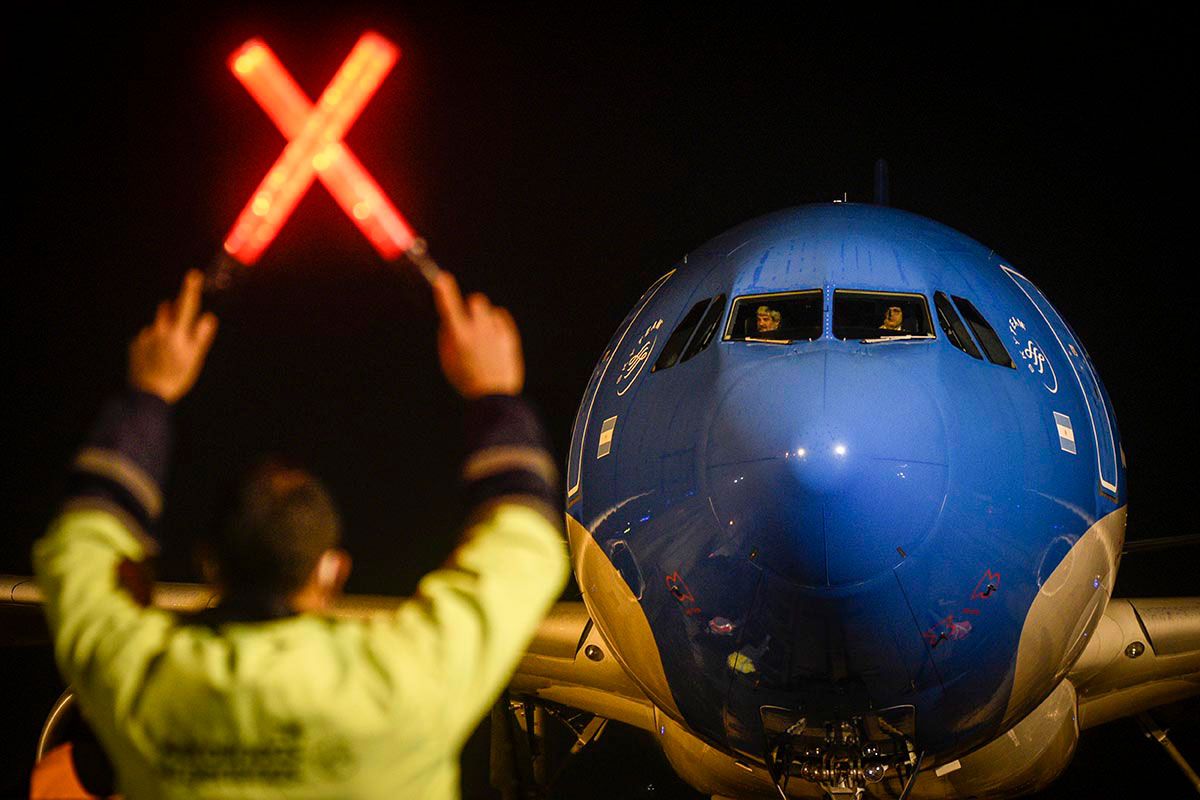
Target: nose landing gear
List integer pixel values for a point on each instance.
(842, 756)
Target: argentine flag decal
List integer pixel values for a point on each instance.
(1066, 434)
(606, 437)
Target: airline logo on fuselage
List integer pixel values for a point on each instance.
(639, 354)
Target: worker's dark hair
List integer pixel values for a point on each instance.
(280, 521)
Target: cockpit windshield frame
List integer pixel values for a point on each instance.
(731, 335)
(924, 320)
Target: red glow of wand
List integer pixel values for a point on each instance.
(315, 150)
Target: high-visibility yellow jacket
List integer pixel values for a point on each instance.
(301, 706)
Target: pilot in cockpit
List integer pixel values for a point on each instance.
(768, 320)
(893, 320)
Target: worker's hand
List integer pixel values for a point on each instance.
(166, 356)
(478, 343)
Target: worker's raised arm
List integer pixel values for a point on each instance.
(460, 637)
(85, 564)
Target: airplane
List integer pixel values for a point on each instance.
(846, 500)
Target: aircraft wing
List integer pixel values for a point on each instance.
(1145, 652)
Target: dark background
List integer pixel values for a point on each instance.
(560, 161)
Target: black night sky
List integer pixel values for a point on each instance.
(560, 160)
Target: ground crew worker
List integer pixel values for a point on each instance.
(264, 697)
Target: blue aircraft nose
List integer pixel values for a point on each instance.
(832, 465)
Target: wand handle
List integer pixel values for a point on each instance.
(221, 274)
(418, 255)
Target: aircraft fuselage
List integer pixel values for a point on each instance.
(845, 513)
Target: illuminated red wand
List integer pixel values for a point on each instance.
(315, 150)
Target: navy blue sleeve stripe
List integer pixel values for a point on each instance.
(508, 456)
(113, 466)
(502, 458)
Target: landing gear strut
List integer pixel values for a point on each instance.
(522, 766)
(1158, 734)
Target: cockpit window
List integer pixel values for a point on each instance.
(706, 328)
(955, 331)
(988, 340)
(880, 315)
(679, 337)
(778, 318)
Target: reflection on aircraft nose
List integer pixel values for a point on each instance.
(830, 477)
